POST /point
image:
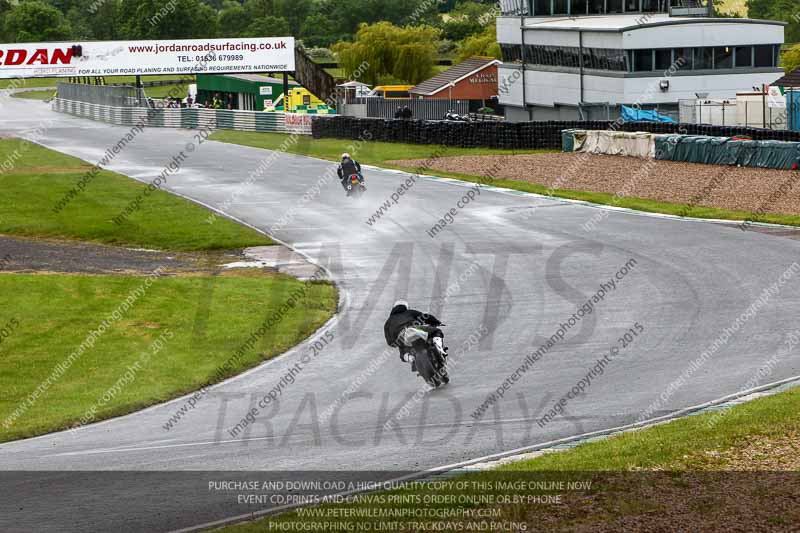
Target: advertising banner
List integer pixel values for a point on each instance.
(120, 58)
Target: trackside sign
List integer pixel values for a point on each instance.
(112, 58)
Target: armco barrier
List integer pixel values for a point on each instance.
(510, 135)
(185, 117)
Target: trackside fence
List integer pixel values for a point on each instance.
(189, 118)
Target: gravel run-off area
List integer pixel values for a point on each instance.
(726, 187)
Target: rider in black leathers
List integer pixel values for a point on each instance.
(347, 168)
(401, 317)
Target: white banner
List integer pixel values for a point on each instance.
(120, 58)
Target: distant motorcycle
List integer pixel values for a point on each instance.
(355, 186)
(452, 115)
(429, 362)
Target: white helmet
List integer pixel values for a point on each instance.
(397, 305)
(345, 156)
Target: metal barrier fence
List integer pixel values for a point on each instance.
(746, 113)
(421, 109)
(109, 95)
(189, 118)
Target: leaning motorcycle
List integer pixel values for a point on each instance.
(429, 361)
(355, 186)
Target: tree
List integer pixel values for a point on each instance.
(384, 51)
(791, 58)
(484, 44)
(233, 21)
(268, 26)
(180, 19)
(318, 30)
(35, 21)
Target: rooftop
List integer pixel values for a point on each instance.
(620, 23)
(454, 74)
(256, 78)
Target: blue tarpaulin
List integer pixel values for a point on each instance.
(630, 114)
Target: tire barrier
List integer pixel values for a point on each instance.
(512, 135)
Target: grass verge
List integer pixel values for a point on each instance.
(380, 153)
(669, 477)
(201, 322)
(172, 338)
(35, 180)
(34, 95)
(370, 153)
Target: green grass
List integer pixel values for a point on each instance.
(34, 95)
(201, 320)
(380, 153)
(51, 82)
(174, 91)
(55, 313)
(371, 153)
(681, 445)
(40, 178)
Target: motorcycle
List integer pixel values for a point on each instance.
(355, 186)
(455, 117)
(429, 361)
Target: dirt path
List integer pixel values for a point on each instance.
(37, 255)
(725, 187)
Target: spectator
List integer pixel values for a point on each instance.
(407, 113)
(399, 112)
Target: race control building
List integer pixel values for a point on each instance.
(583, 59)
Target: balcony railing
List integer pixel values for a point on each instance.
(691, 8)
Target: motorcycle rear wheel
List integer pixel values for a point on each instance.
(425, 368)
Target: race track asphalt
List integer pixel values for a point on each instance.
(509, 271)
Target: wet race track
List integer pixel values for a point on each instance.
(537, 302)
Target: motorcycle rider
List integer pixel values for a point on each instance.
(400, 318)
(347, 168)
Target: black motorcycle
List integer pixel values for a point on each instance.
(355, 186)
(429, 362)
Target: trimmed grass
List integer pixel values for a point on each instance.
(34, 180)
(174, 91)
(188, 326)
(371, 152)
(379, 153)
(51, 82)
(200, 330)
(34, 95)
(686, 445)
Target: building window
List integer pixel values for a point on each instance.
(541, 8)
(560, 7)
(596, 7)
(579, 7)
(663, 58)
(723, 57)
(614, 6)
(653, 6)
(683, 58)
(703, 58)
(765, 56)
(512, 53)
(642, 60)
(744, 56)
